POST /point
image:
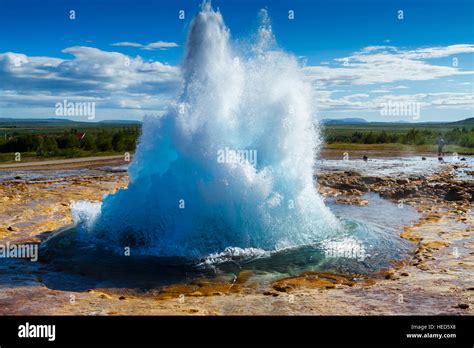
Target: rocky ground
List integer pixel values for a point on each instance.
(33, 208)
(437, 279)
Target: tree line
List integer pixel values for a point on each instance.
(458, 136)
(71, 143)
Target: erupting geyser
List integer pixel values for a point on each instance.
(231, 165)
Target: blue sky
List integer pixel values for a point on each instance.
(357, 54)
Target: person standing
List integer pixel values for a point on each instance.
(440, 146)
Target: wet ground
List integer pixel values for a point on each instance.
(371, 270)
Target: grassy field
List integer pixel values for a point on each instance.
(32, 156)
(401, 137)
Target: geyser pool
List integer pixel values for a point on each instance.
(369, 242)
(182, 200)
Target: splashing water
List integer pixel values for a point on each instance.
(194, 189)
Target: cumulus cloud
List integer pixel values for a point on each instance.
(116, 81)
(111, 78)
(387, 64)
(378, 68)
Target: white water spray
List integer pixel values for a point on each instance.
(182, 200)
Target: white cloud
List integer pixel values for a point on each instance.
(380, 66)
(437, 52)
(387, 64)
(460, 101)
(357, 96)
(369, 49)
(161, 45)
(127, 44)
(112, 79)
(117, 81)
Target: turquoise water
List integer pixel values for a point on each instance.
(230, 165)
(370, 242)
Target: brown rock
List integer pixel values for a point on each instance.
(423, 266)
(456, 194)
(436, 244)
(318, 280)
(270, 293)
(353, 201)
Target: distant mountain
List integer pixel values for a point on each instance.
(61, 121)
(349, 121)
(324, 121)
(469, 120)
(121, 122)
(35, 120)
(343, 121)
